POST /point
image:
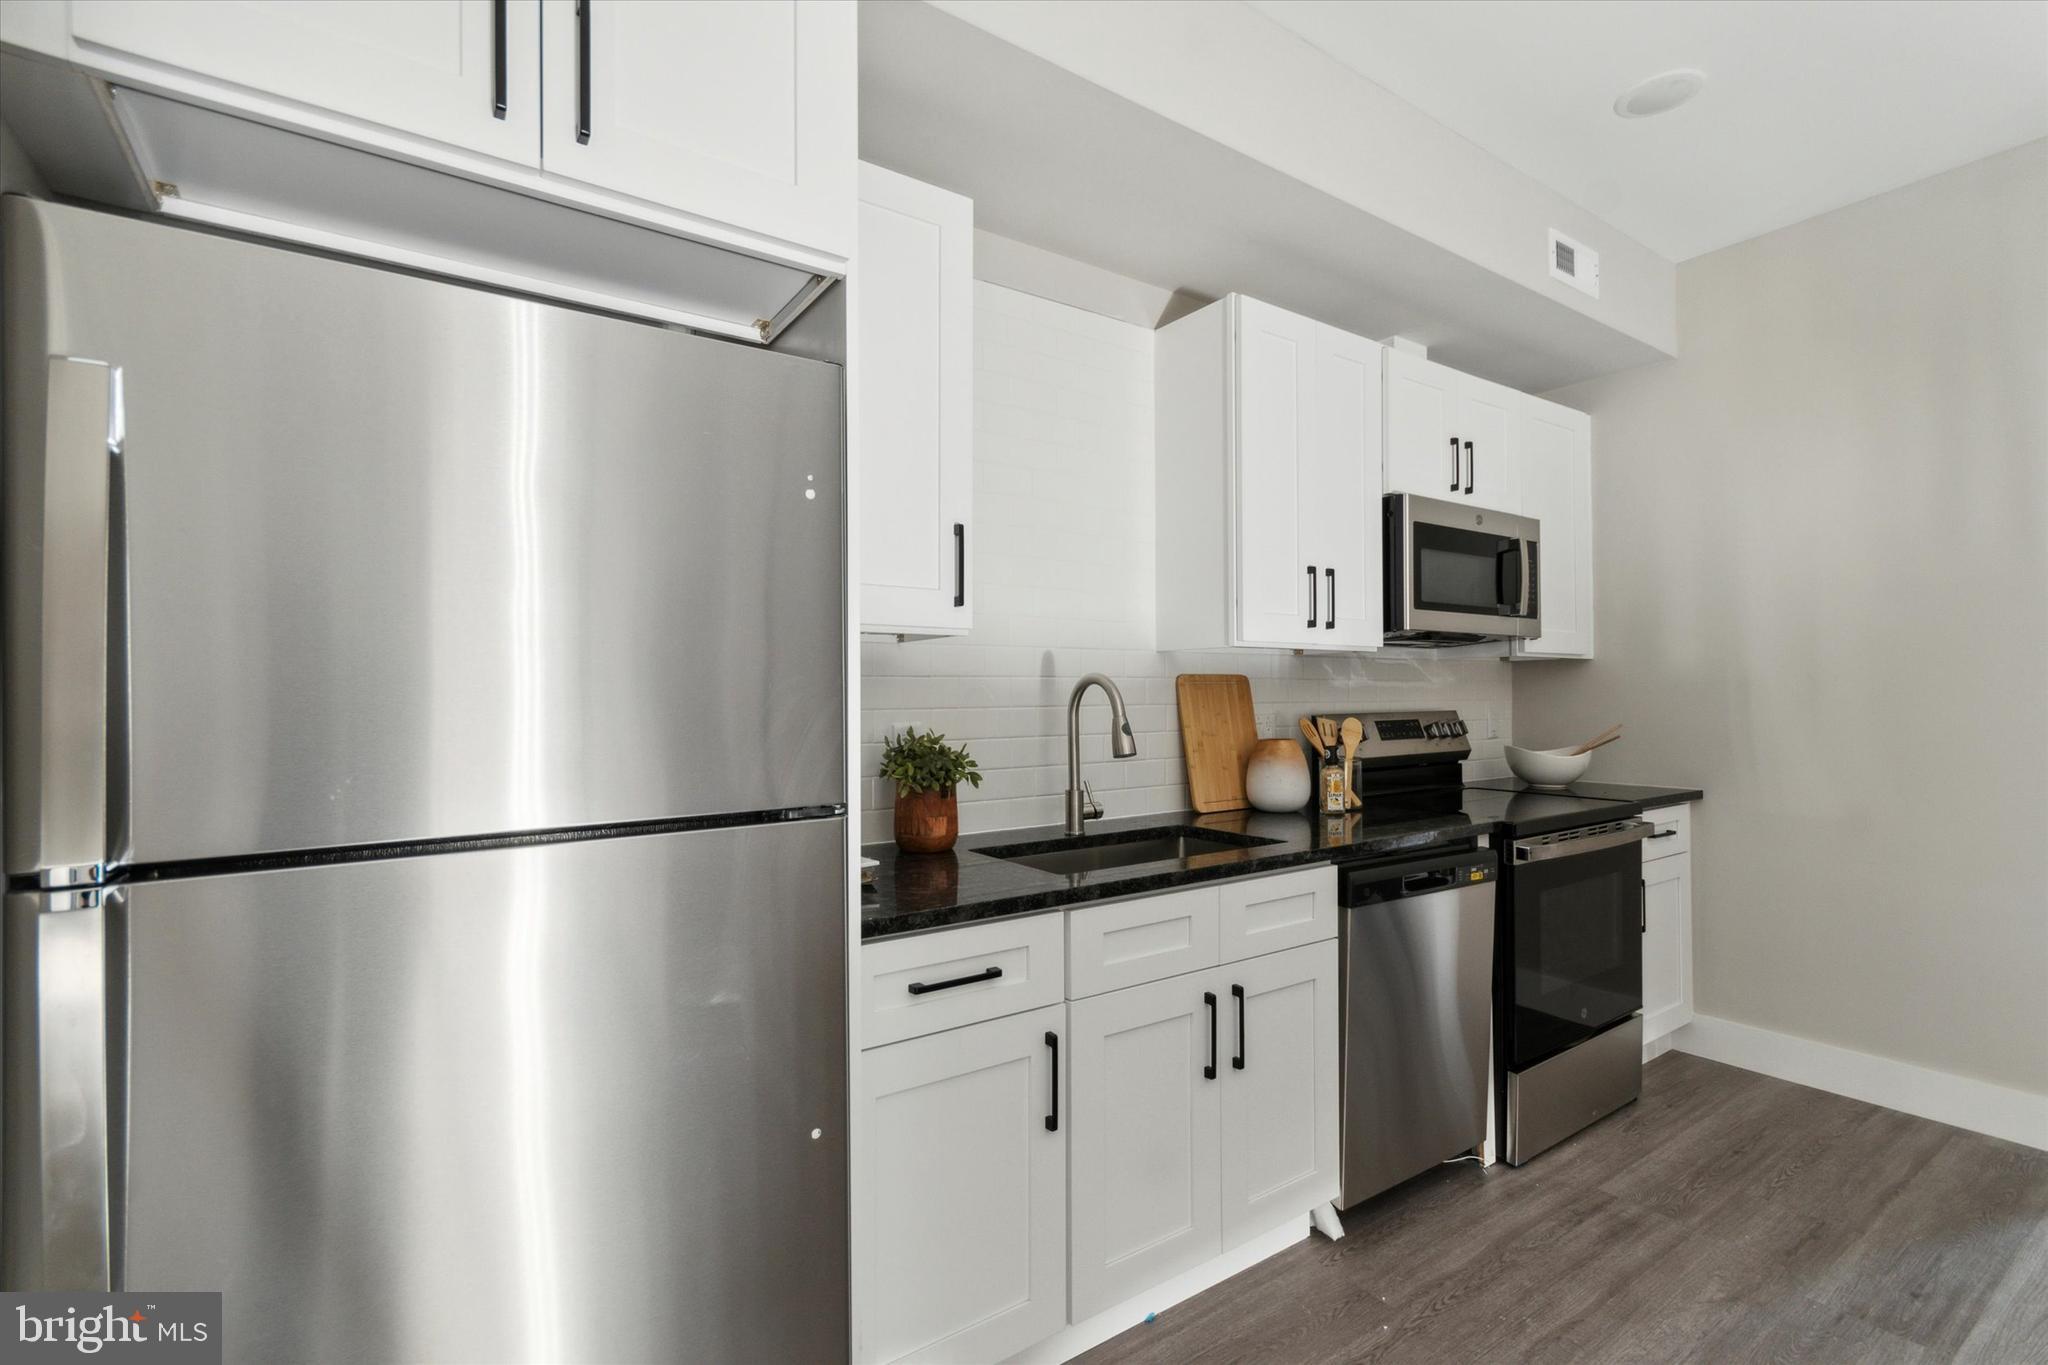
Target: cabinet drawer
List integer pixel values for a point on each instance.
(1267, 914)
(1001, 968)
(1673, 834)
(1132, 942)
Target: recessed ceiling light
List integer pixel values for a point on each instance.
(1660, 93)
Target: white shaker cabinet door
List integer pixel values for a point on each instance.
(912, 369)
(1146, 1091)
(1341, 487)
(1279, 586)
(740, 111)
(1423, 456)
(1557, 490)
(1489, 429)
(1667, 945)
(1280, 1088)
(462, 72)
(964, 1192)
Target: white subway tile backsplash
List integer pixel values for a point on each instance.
(1063, 560)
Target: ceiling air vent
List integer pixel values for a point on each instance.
(1576, 264)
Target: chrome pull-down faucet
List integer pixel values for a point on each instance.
(1081, 806)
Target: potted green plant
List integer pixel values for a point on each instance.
(927, 772)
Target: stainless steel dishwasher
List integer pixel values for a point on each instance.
(1416, 990)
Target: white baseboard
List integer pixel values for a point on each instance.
(1980, 1106)
(1085, 1336)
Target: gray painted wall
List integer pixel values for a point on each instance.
(1822, 568)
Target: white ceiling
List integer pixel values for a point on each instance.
(1809, 104)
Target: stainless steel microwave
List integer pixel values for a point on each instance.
(1459, 574)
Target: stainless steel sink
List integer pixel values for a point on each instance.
(1124, 848)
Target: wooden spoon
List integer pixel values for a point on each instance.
(1354, 731)
(1315, 740)
(1607, 736)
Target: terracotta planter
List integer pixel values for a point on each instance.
(927, 822)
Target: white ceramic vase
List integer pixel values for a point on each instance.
(1276, 776)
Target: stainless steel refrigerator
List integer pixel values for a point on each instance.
(424, 810)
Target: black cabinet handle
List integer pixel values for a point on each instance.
(959, 563)
(498, 78)
(1237, 1062)
(1643, 906)
(1052, 1120)
(1665, 834)
(1312, 612)
(1454, 464)
(583, 70)
(1209, 1071)
(1471, 466)
(1330, 622)
(921, 988)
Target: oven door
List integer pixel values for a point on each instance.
(1456, 570)
(1576, 931)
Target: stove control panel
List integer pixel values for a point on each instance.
(1409, 736)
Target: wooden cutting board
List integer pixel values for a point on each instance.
(1216, 735)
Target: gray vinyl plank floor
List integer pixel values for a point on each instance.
(1725, 1216)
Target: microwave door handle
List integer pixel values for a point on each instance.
(1527, 607)
(1507, 595)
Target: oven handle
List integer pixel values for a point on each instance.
(1543, 850)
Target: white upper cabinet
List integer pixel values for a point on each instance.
(1451, 436)
(739, 110)
(691, 163)
(1269, 431)
(1557, 490)
(912, 372)
(463, 72)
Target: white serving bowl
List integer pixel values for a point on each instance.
(1546, 767)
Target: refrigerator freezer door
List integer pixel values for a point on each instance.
(404, 560)
(578, 1101)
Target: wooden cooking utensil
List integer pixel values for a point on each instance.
(1328, 728)
(1353, 732)
(1217, 732)
(1315, 741)
(1607, 736)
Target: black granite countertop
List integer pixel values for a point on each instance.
(915, 892)
(1643, 798)
(918, 891)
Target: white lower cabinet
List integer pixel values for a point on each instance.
(1280, 1121)
(1667, 922)
(1146, 1137)
(1205, 1113)
(1024, 1173)
(963, 1223)
(1667, 945)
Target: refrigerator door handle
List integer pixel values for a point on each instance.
(57, 821)
(61, 1191)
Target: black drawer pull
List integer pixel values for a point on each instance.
(959, 563)
(499, 91)
(583, 70)
(1209, 1071)
(1052, 1120)
(921, 988)
(1237, 1062)
(1665, 834)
